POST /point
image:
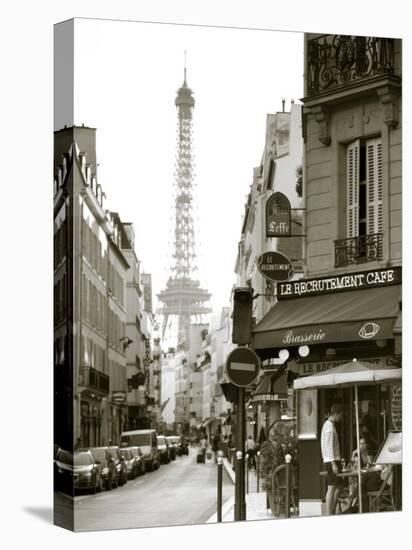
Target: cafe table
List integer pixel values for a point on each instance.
(346, 474)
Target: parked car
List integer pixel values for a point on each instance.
(146, 440)
(130, 462)
(108, 465)
(173, 446)
(137, 453)
(78, 471)
(120, 464)
(163, 449)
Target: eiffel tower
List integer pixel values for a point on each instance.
(183, 300)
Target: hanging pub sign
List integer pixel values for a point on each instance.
(275, 266)
(340, 283)
(278, 222)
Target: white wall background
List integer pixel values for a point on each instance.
(26, 144)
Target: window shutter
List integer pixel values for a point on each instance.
(374, 185)
(352, 189)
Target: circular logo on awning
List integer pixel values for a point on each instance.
(369, 330)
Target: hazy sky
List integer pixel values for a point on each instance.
(126, 78)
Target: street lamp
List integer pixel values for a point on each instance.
(284, 355)
(303, 351)
(126, 341)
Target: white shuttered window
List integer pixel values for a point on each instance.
(364, 187)
(374, 185)
(352, 177)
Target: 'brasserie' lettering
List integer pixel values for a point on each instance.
(306, 338)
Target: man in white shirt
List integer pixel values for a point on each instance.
(330, 448)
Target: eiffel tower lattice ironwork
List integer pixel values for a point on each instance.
(183, 297)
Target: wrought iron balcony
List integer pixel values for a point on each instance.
(335, 61)
(357, 250)
(94, 380)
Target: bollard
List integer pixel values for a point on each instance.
(247, 472)
(219, 487)
(257, 470)
(238, 487)
(288, 458)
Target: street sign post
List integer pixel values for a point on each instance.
(242, 367)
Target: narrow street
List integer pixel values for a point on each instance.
(179, 493)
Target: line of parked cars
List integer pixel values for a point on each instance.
(98, 468)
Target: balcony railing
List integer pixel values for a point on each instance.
(94, 380)
(335, 61)
(357, 250)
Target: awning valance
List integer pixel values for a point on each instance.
(272, 386)
(342, 317)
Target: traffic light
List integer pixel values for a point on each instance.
(242, 315)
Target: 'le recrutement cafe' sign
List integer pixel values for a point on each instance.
(340, 283)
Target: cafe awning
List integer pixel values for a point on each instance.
(340, 317)
(272, 386)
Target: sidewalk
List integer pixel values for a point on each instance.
(255, 502)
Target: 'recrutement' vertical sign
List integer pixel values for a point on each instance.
(278, 216)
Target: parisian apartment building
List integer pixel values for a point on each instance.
(99, 319)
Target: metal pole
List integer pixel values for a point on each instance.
(358, 447)
(257, 470)
(241, 447)
(287, 488)
(247, 473)
(238, 508)
(219, 488)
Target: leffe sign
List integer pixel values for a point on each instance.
(340, 283)
(278, 216)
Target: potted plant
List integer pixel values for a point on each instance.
(281, 442)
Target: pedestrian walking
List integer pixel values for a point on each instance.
(250, 449)
(330, 448)
(215, 446)
(225, 447)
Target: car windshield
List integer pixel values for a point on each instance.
(99, 454)
(82, 459)
(65, 457)
(125, 454)
(137, 439)
(161, 440)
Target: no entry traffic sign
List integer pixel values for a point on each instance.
(242, 366)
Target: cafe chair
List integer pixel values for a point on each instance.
(279, 489)
(383, 500)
